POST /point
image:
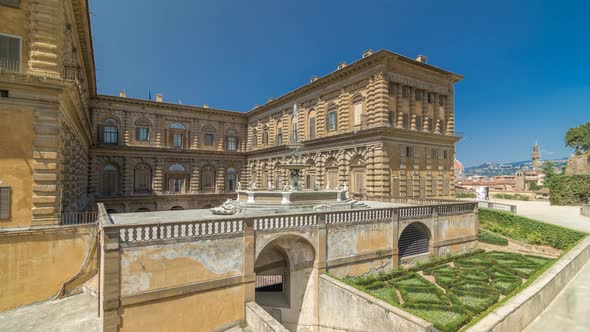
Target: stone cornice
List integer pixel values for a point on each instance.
(156, 152)
(380, 57)
(84, 29)
(99, 101)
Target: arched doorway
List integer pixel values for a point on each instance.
(414, 240)
(286, 280)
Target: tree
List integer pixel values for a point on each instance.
(548, 169)
(578, 138)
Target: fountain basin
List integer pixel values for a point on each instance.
(274, 197)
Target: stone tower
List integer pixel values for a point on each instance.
(536, 156)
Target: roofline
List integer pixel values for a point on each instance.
(163, 104)
(374, 58)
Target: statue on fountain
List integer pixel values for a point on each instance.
(316, 186)
(252, 186)
(227, 208)
(288, 187)
(344, 187)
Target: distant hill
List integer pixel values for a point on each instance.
(493, 169)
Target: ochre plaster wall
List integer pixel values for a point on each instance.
(15, 22)
(162, 266)
(206, 311)
(35, 264)
(16, 162)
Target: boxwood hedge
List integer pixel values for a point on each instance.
(528, 230)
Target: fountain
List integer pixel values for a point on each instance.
(292, 196)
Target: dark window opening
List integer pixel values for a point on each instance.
(269, 283)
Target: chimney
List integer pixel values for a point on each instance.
(367, 53)
(314, 78)
(122, 93)
(159, 98)
(422, 59)
(341, 65)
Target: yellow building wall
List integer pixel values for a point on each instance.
(206, 311)
(16, 163)
(15, 22)
(35, 264)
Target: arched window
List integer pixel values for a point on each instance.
(109, 132)
(254, 137)
(177, 135)
(311, 124)
(143, 178)
(176, 208)
(265, 135)
(279, 133)
(110, 180)
(177, 125)
(176, 179)
(358, 171)
(358, 116)
(142, 209)
(332, 118)
(231, 143)
(142, 130)
(414, 240)
(231, 179)
(331, 174)
(208, 179)
(293, 128)
(209, 136)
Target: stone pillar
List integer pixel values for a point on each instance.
(450, 110)
(399, 105)
(412, 115)
(110, 274)
(195, 180)
(220, 179)
(158, 180)
(248, 262)
(394, 239)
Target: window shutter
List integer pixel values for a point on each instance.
(166, 138)
(137, 137)
(4, 202)
(187, 140)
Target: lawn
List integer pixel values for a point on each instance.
(459, 292)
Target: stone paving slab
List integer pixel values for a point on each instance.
(74, 313)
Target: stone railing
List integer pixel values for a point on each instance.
(369, 215)
(497, 206)
(195, 229)
(415, 212)
(452, 209)
(206, 228)
(412, 201)
(285, 221)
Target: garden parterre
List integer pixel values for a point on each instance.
(459, 288)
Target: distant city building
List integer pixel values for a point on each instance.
(525, 178)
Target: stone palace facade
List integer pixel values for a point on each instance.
(383, 125)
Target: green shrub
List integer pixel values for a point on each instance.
(473, 301)
(519, 228)
(569, 189)
(491, 238)
(465, 194)
(443, 318)
(386, 294)
(517, 197)
(506, 285)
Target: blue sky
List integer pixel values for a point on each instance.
(525, 63)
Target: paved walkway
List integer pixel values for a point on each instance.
(74, 313)
(570, 310)
(568, 216)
